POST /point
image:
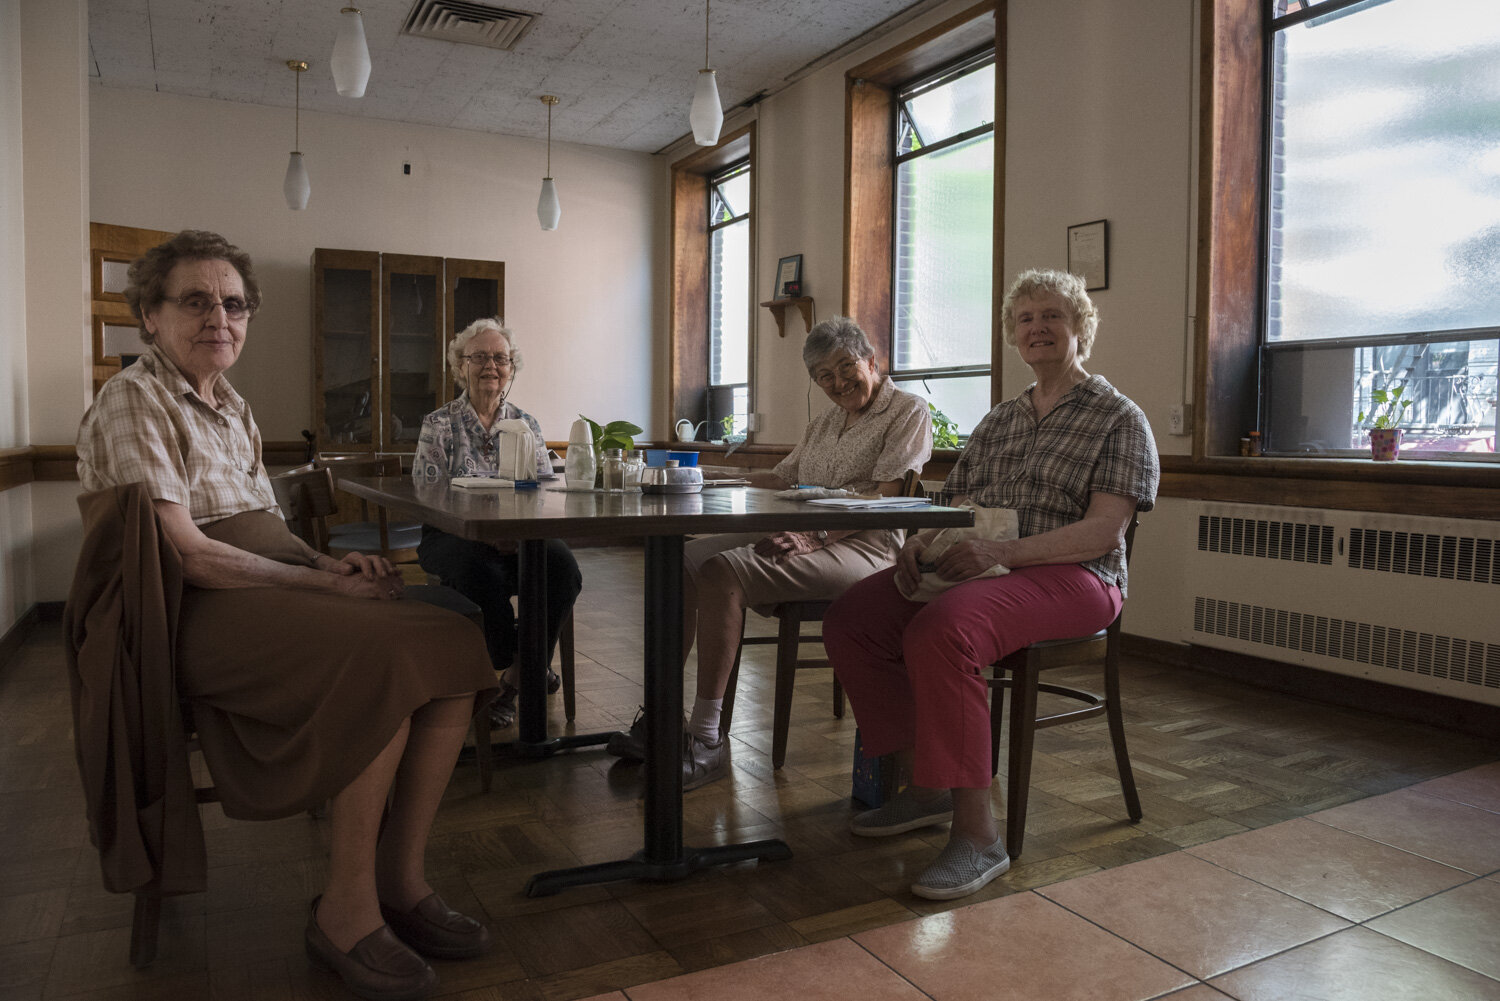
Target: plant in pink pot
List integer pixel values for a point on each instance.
(1387, 410)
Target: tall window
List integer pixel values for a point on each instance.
(944, 237)
(729, 301)
(1382, 271)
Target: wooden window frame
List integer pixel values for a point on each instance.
(1231, 235)
(869, 167)
(688, 376)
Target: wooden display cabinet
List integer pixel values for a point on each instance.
(381, 328)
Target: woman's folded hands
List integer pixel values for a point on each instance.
(779, 545)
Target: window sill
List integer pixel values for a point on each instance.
(1434, 489)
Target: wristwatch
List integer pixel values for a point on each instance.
(821, 536)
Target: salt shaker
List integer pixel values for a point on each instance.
(613, 464)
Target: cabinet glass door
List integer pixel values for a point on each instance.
(414, 346)
(476, 290)
(344, 348)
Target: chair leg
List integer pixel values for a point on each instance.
(838, 698)
(726, 709)
(1022, 737)
(565, 648)
(997, 720)
(483, 753)
(143, 924)
(788, 639)
(1115, 715)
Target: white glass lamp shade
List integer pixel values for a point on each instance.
(707, 116)
(548, 209)
(296, 187)
(351, 55)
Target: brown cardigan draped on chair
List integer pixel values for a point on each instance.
(120, 627)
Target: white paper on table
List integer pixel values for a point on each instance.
(871, 503)
(483, 483)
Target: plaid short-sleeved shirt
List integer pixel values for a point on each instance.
(1094, 439)
(148, 425)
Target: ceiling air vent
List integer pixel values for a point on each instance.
(469, 23)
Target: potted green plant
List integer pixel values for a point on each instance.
(615, 434)
(1387, 410)
(944, 428)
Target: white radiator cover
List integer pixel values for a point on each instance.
(1403, 600)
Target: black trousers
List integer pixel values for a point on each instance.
(490, 578)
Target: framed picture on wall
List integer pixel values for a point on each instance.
(1088, 253)
(788, 273)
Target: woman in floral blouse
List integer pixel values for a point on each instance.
(462, 439)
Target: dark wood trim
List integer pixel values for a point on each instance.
(1432, 489)
(59, 463)
(1474, 718)
(16, 467)
(687, 356)
(869, 159)
(1232, 129)
(16, 635)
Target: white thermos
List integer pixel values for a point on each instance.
(581, 465)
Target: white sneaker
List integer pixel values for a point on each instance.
(703, 762)
(903, 813)
(961, 869)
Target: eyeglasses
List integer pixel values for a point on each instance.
(847, 369)
(201, 304)
(480, 359)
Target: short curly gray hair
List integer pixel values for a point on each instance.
(146, 281)
(473, 330)
(1067, 287)
(838, 333)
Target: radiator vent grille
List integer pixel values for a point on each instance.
(1470, 662)
(1276, 540)
(1449, 557)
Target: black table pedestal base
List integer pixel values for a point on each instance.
(544, 748)
(544, 884)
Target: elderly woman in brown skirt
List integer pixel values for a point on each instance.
(310, 679)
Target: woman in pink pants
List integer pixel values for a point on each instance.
(1075, 460)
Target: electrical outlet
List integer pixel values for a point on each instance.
(1179, 417)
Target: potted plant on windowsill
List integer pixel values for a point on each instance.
(1387, 410)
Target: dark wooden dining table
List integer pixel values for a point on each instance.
(528, 518)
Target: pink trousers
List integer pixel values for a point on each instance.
(914, 671)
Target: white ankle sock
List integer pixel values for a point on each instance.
(704, 723)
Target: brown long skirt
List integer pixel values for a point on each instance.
(294, 693)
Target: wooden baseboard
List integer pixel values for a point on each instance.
(10, 643)
(1473, 718)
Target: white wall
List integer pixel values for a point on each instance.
(15, 504)
(1099, 126)
(580, 298)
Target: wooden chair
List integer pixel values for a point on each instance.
(145, 916)
(373, 531)
(1024, 667)
(306, 496)
(790, 616)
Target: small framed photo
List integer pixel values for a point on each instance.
(788, 272)
(1088, 253)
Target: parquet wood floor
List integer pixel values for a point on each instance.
(1212, 758)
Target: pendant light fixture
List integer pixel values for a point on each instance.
(707, 116)
(548, 211)
(296, 187)
(351, 54)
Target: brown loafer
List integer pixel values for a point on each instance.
(435, 929)
(379, 967)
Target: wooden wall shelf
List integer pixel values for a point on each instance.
(778, 310)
